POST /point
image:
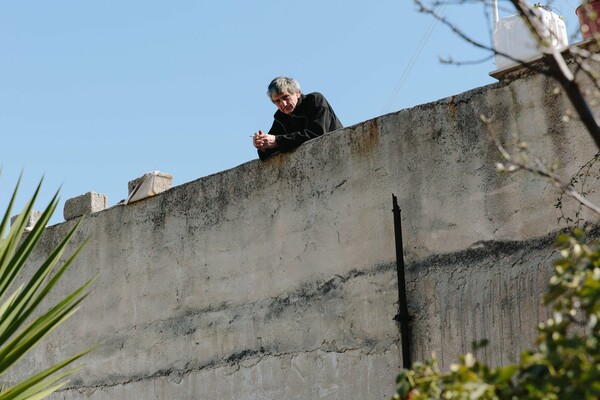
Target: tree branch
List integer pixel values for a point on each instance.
(538, 168)
(559, 69)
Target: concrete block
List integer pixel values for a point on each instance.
(150, 184)
(33, 219)
(85, 204)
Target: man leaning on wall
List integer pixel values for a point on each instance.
(298, 118)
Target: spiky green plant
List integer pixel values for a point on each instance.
(22, 325)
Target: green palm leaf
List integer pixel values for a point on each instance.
(18, 333)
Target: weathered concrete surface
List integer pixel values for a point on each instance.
(492, 291)
(277, 279)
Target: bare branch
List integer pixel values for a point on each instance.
(450, 61)
(555, 66)
(537, 167)
(559, 69)
(427, 10)
(583, 57)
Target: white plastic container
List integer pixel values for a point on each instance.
(513, 37)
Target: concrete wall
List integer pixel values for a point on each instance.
(277, 279)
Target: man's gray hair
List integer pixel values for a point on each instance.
(283, 84)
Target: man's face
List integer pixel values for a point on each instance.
(286, 102)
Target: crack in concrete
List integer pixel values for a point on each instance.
(234, 361)
(275, 306)
(481, 251)
(305, 293)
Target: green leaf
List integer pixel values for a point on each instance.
(19, 335)
(505, 374)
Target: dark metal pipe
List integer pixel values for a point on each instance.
(402, 316)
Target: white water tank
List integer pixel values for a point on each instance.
(513, 37)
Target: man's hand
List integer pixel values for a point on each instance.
(263, 141)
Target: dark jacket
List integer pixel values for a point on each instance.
(312, 117)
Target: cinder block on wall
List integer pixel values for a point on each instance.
(33, 219)
(85, 204)
(150, 184)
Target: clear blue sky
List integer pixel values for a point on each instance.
(96, 93)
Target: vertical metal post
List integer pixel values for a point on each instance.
(402, 316)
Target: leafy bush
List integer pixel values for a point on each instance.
(565, 362)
